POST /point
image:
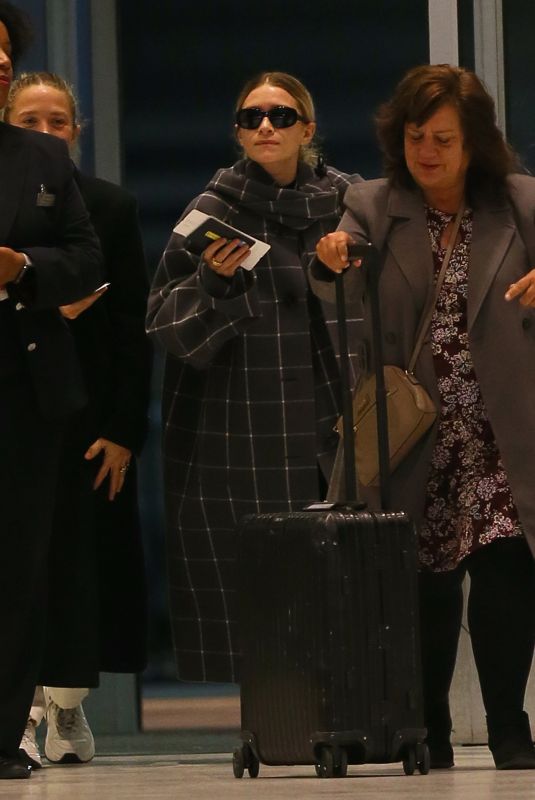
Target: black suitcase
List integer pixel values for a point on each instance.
(330, 666)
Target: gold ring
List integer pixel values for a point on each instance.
(216, 263)
(123, 468)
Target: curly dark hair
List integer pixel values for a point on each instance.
(19, 28)
(420, 93)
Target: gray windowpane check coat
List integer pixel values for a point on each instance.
(250, 395)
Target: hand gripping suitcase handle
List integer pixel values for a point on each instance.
(370, 261)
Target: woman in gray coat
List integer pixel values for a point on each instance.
(251, 382)
(470, 483)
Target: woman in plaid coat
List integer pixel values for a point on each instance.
(251, 389)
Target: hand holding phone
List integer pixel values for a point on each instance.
(73, 310)
(224, 256)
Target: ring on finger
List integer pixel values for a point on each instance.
(216, 263)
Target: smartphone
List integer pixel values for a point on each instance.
(210, 230)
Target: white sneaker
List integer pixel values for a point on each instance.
(68, 737)
(28, 743)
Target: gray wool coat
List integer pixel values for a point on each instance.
(501, 334)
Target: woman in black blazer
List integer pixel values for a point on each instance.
(97, 585)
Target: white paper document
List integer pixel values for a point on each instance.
(201, 229)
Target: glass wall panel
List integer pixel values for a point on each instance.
(519, 24)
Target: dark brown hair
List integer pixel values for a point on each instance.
(420, 93)
(18, 27)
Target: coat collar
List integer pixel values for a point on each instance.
(492, 231)
(408, 227)
(13, 168)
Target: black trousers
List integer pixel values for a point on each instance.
(29, 451)
(501, 618)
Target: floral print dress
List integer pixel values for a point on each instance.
(469, 502)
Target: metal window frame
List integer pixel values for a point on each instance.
(82, 47)
(488, 44)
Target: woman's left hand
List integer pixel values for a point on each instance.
(524, 289)
(115, 462)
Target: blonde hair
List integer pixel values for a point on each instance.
(27, 79)
(309, 153)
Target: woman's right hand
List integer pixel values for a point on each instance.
(332, 251)
(224, 256)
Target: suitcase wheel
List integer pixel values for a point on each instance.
(253, 765)
(331, 763)
(238, 762)
(409, 761)
(243, 759)
(423, 758)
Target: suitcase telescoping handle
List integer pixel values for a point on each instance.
(370, 261)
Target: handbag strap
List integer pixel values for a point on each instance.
(428, 315)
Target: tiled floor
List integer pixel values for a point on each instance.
(205, 777)
(185, 752)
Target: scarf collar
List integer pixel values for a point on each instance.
(309, 199)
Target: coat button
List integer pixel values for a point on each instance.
(526, 323)
(391, 337)
(31, 347)
(19, 306)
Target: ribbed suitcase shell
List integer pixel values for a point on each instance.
(330, 651)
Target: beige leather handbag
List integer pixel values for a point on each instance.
(411, 412)
(410, 409)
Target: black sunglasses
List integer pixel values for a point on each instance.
(279, 116)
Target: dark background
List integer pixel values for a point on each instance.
(519, 28)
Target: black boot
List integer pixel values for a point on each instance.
(503, 637)
(13, 768)
(441, 607)
(438, 724)
(441, 755)
(511, 743)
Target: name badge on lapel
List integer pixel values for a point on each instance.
(45, 199)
